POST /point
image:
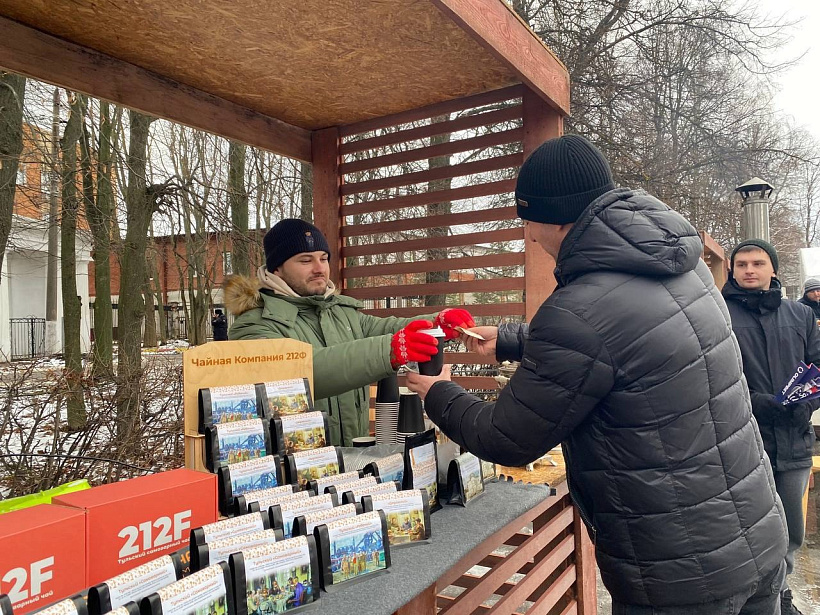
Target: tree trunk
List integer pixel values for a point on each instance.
(139, 209)
(68, 271)
(436, 209)
(238, 201)
(306, 175)
(53, 259)
(149, 338)
(99, 214)
(12, 92)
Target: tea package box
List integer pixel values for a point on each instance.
(285, 575)
(240, 478)
(134, 585)
(206, 591)
(227, 404)
(352, 548)
(42, 555)
(209, 553)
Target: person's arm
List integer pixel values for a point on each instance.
(336, 369)
(510, 343)
(377, 325)
(564, 373)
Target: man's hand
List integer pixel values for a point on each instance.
(421, 384)
(409, 344)
(451, 318)
(485, 347)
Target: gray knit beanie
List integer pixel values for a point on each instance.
(810, 285)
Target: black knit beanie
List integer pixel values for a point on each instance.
(757, 243)
(560, 179)
(290, 237)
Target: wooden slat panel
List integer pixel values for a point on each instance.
(526, 586)
(507, 114)
(456, 170)
(449, 106)
(466, 239)
(468, 600)
(497, 309)
(571, 609)
(489, 545)
(497, 28)
(504, 259)
(449, 288)
(442, 149)
(426, 198)
(32, 53)
(480, 383)
(445, 220)
(586, 591)
(551, 597)
(467, 358)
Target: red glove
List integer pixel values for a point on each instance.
(454, 317)
(410, 345)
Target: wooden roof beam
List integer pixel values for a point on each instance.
(497, 28)
(44, 57)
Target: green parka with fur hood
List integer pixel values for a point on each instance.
(351, 350)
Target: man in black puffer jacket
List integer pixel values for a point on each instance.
(632, 365)
(811, 296)
(775, 334)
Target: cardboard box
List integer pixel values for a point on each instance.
(42, 555)
(134, 521)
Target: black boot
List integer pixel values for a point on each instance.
(786, 606)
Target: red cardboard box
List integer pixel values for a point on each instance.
(134, 521)
(42, 555)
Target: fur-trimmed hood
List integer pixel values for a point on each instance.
(242, 294)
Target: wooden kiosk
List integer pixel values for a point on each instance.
(334, 82)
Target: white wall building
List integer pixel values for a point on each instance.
(23, 287)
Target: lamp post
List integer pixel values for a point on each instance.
(755, 194)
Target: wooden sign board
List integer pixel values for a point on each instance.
(217, 364)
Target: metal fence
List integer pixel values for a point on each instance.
(28, 338)
(175, 320)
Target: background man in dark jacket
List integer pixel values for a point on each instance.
(219, 324)
(811, 296)
(632, 365)
(774, 336)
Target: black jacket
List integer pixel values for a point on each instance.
(219, 324)
(814, 305)
(774, 337)
(631, 363)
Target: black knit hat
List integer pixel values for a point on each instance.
(290, 237)
(756, 243)
(560, 179)
(810, 285)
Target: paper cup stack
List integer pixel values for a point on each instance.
(411, 415)
(387, 410)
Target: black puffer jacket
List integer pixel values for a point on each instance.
(774, 338)
(631, 363)
(814, 305)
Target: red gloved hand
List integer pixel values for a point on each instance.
(410, 345)
(454, 317)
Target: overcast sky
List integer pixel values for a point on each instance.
(800, 87)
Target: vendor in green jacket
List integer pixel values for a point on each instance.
(294, 298)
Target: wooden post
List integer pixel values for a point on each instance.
(541, 122)
(423, 604)
(327, 198)
(586, 579)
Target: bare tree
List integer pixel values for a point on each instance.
(68, 271)
(12, 94)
